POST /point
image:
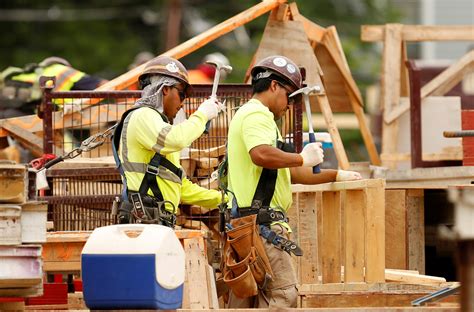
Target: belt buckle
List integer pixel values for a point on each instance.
(152, 169)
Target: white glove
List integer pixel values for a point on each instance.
(210, 108)
(344, 175)
(312, 154)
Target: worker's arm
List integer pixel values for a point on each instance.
(270, 157)
(305, 175)
(194, 194)
(153, 133)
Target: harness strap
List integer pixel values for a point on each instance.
(149, 180)
(153, 167)
(265, 215)
(279, 241)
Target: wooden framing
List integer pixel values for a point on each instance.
(394, 75)
(340, 224)
(404, 229)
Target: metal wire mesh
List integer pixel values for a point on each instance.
(81, 199)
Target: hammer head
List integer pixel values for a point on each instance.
(219, 66)
(307, 90)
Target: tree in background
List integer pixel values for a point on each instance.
(103, 38)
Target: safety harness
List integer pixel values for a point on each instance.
(145, 208)
(260, 206)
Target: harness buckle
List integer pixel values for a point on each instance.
(152, 169)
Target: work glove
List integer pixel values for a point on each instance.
(210, 107)
(312, 154)
(345, 175)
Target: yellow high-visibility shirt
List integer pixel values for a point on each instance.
(253, 125)
(145, 133)
(66, 76)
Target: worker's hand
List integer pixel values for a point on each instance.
(344, 175)
(312, 154)
(210, 108)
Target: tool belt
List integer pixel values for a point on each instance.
(145, 209)
(266, 216)
(246, 266)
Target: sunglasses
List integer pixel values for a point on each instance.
(182, 93)
(291, 100)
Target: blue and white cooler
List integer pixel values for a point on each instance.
(133, 266)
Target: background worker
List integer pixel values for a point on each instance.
(204, 73)
(149, 144)
(252, 146)
(20, 90)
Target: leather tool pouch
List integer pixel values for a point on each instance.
(246, 265)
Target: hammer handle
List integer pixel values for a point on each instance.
(312, 139)
(208, 124)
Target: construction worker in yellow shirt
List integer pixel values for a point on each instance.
(148, 146)
(261, 169)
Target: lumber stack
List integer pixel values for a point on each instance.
(22, 230)
(202, 164)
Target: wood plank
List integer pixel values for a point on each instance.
(378, 301)
(308, 237)
(416, 230)
(426, 178)
(371, 33)
(13, 183)
(375, 235)
(130, 78)
(212, 289)
(339, 186)
(390, 84)
(206, 163)
(20, 282)
(310, 289)
(450, 77)
(195, 284)
(312, 30)
(439, 85)
(412, 278)
(213, 152)
(354, 236)
(341, 156)
(395, 229)
(331, 238)
(332, 43)
(33, 142)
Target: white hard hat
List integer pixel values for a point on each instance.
(217, 57)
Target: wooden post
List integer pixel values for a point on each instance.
(354, 222)
(331, 238)
(375, 235)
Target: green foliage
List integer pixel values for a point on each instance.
(100, 42)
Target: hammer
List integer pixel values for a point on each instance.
(306, 92)
(219, 66)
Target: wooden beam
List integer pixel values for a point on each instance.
(338, 186)
(341, 155)
(412, 278)
(354, 236)
(450, 77)
(128, 79)
(28, 139)
(372, 33)
(438, 86)
(391, 83)
(375, 235)
(331, 237)
(313, 30)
